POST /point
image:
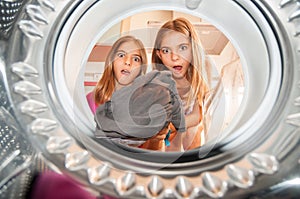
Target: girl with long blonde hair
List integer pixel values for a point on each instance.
(125, 68)
(177, 48)
(129, 53)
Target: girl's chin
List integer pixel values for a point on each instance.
(125, 82)
(177, 75)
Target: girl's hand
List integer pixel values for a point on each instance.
(194, 118)
(192, 138)
(161, 135)
(157, 141)
(175, 139)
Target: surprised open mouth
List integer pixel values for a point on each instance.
(177, 68)
(125, 72)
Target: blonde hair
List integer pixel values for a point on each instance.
(195, 74)
(106, 85)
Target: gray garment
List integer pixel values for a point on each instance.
(139, 111)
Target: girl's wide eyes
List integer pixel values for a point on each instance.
(165, 50)
(168, 51)
(136, 59)
(121, 55)
(183, 47)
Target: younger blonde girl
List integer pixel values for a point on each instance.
(124, 66)
(109, 82)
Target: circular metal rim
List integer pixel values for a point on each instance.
(292, 118)
(77, 38)
(80, 25)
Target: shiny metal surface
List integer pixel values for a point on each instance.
(16, 152)
(18, 159)
(9, 10)
(40, 105)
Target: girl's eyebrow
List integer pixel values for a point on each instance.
(138, 55)
(176, 45)
(122, 51)
(164, 47)
(181, 44)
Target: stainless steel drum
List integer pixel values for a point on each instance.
(45, 45)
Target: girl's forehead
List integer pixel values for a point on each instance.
(174, 37)
(129, 46)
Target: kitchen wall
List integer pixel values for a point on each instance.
(144, 26)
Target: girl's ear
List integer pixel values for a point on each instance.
(158, 53)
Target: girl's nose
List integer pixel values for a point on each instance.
(128, 60)
(174, 56)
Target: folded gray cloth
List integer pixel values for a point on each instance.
(139, 111)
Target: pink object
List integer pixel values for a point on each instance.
(52, 185)
(92, 104)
